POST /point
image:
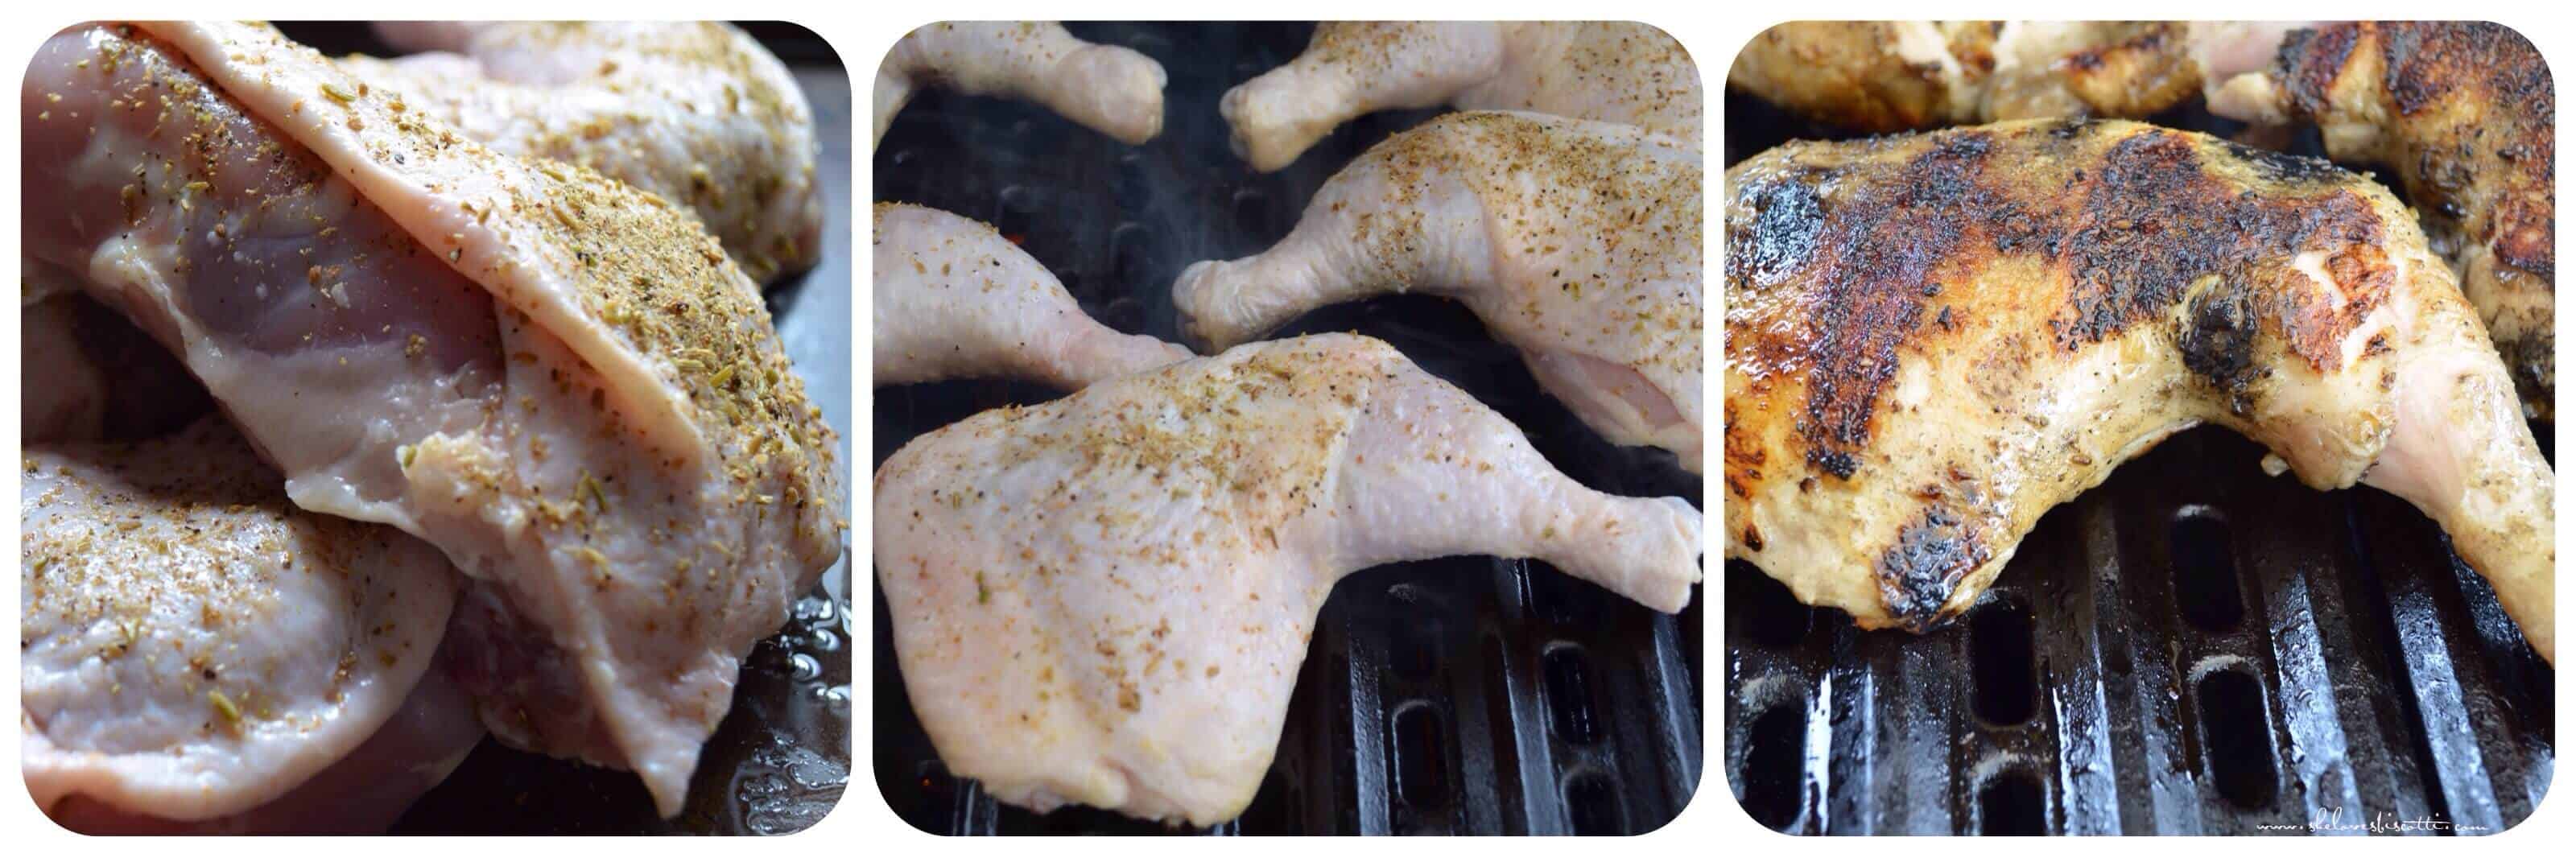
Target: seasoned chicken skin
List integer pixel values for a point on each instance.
(696, 112)
(1104, 599)
(560, 381)
(1933, 339)
(954, 299)
(1608, 71)
(2467, 114)
(1577, 242)
(194, 648)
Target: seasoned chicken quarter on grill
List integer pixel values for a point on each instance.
(1932, 339)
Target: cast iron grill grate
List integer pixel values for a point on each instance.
(1465, 695)
(2191, 648)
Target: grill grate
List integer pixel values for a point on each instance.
(2191, 648)
(1465, 695)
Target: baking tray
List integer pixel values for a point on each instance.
(1455, 696)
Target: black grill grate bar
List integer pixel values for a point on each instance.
(2372, 676)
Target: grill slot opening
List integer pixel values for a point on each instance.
(1254, 213)
(1773, 751)
(1413, 643)
(1569, 694)
(1764, 607)
(1132, 251)
(2204, 566)
(2003, 671)
(1421, 757)
(2236, 734)
(2011, 803)
(1592, 804)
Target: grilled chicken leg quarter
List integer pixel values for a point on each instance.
(195, 654)
(2465, 113)
(1905, 75)
(1104, 599)
(1933, 339)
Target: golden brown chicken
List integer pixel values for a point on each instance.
(1905, 75)
(1932, 339)
(2465, 114)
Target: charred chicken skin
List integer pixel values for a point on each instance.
(2465, 114)
(1932, 339)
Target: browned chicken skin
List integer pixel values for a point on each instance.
(1906, 75)
(1932, 339)
(2466, 115)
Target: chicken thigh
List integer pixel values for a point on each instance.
(954, 299)
(1107, 88)
(1933, 339)
(697, 112)
(1104, 599)
(1576, 242)
(561, 382)
(1600, 70)
(193, 648)
(2467, 115)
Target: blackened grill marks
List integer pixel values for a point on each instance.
(1787, 215)
(2217, 344)
(2490, 67)
(1917, 575)
(2422, 62)
(2310, 60)
(2155, 222)
(2502, 104)
(1884, 243)
(2285, 168)
(2398, 47)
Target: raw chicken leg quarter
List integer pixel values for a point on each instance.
(695, 112)
(1608, 71)
(1576, 242)
(1104, 599)
(1110, 89)
(954, 299)
(193, 646)
(561, 382)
